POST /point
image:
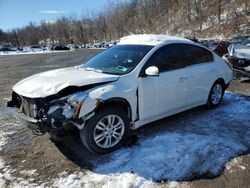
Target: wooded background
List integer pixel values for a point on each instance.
(190, 18)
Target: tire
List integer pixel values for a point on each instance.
(100, 134)
(216, 94)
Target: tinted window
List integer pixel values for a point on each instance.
(166, 58)
(195, 54)
(236, 40)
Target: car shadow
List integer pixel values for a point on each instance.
(194, 144)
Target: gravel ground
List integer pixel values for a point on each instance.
(24, 151)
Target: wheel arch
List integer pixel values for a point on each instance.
(222, 81)
(223, 84)
(115, 101)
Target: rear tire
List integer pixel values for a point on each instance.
(106, 131)
(216, 94)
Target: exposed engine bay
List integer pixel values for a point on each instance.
(52, 112)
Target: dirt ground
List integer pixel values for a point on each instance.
(50, 158)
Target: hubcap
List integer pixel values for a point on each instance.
(109, 131)
(216, 94)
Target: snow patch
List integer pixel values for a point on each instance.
(149, 39)
(174, 156)
(124, 180)
(31, 52)
(2, 163)
(235, 164)
(201, 148)
(4, 132)
(28, 172)
(7, 127)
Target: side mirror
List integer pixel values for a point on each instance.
(152, 71)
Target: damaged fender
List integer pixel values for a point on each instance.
(107, 92)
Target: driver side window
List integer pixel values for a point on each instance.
(166, 58)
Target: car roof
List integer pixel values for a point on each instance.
(152, 39)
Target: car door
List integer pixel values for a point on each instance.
(166, 93)
(199, 73)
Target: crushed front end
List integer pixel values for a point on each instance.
(50, 113)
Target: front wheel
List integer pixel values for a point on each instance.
(215, 95)
(106, 131)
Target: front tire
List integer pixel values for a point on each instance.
(106, 131)
(216, 94)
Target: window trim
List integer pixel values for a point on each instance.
(142, 71)
(198, 46)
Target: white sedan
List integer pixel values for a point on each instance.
(142, 79)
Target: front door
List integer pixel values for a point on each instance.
(166, 93)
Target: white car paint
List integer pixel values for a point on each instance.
(240, 51)
(51, 82)
(158, 97)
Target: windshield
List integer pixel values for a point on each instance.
(237, 40)
(118, 60)
(247, 42)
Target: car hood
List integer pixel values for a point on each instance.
(240, 51)
(51, 82)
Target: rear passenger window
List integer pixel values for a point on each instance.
(195, 54)
(166, 58)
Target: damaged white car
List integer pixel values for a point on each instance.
(239, 55)
(142, 79)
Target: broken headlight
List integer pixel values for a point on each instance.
(73, 105)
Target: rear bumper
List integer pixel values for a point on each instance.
(37, 126)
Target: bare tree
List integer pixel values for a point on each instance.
(139, 16)
(3, 37)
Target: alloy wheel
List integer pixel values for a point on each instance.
(109, 131)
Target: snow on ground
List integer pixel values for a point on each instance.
(8, 127)
(5, 131)
(200, 148)
(91, 179)
(5, 127)
(32, 52)
(28, 172)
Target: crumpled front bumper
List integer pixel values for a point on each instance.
(38, 127)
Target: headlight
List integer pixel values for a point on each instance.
(73, 102)
(73, 105)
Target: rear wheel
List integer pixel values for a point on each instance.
(106, 131)
(216, 94)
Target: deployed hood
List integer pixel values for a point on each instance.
(51, 82)
(240, 51)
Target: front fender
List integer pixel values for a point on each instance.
(104, 93)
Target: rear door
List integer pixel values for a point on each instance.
(199, 73)
(166, 93)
